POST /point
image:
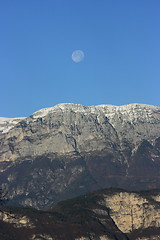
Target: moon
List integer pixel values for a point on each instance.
(78, 56)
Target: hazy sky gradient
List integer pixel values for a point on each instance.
(120, 39)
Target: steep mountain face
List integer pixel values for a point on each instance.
(108, 214)
(71, 149)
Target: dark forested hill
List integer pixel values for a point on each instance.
(108, 214)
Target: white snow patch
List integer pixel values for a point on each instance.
(7, 123)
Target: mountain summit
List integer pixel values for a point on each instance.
(70, 149)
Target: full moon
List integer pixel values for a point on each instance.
(77, 56)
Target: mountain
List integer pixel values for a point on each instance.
(70, 149)
(108, 214)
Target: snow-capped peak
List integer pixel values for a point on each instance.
(129, 112)
(106, 109)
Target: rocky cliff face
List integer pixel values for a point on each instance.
(70, 149)
(103, 215)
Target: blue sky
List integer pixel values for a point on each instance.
(120, 39)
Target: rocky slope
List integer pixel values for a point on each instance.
(108, 214)
(71, 149)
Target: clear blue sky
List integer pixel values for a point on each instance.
(120, 39)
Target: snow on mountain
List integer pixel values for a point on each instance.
(7, 123)
(129, 112)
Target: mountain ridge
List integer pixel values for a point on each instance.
(72, 106)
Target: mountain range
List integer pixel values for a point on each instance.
(71, 149)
